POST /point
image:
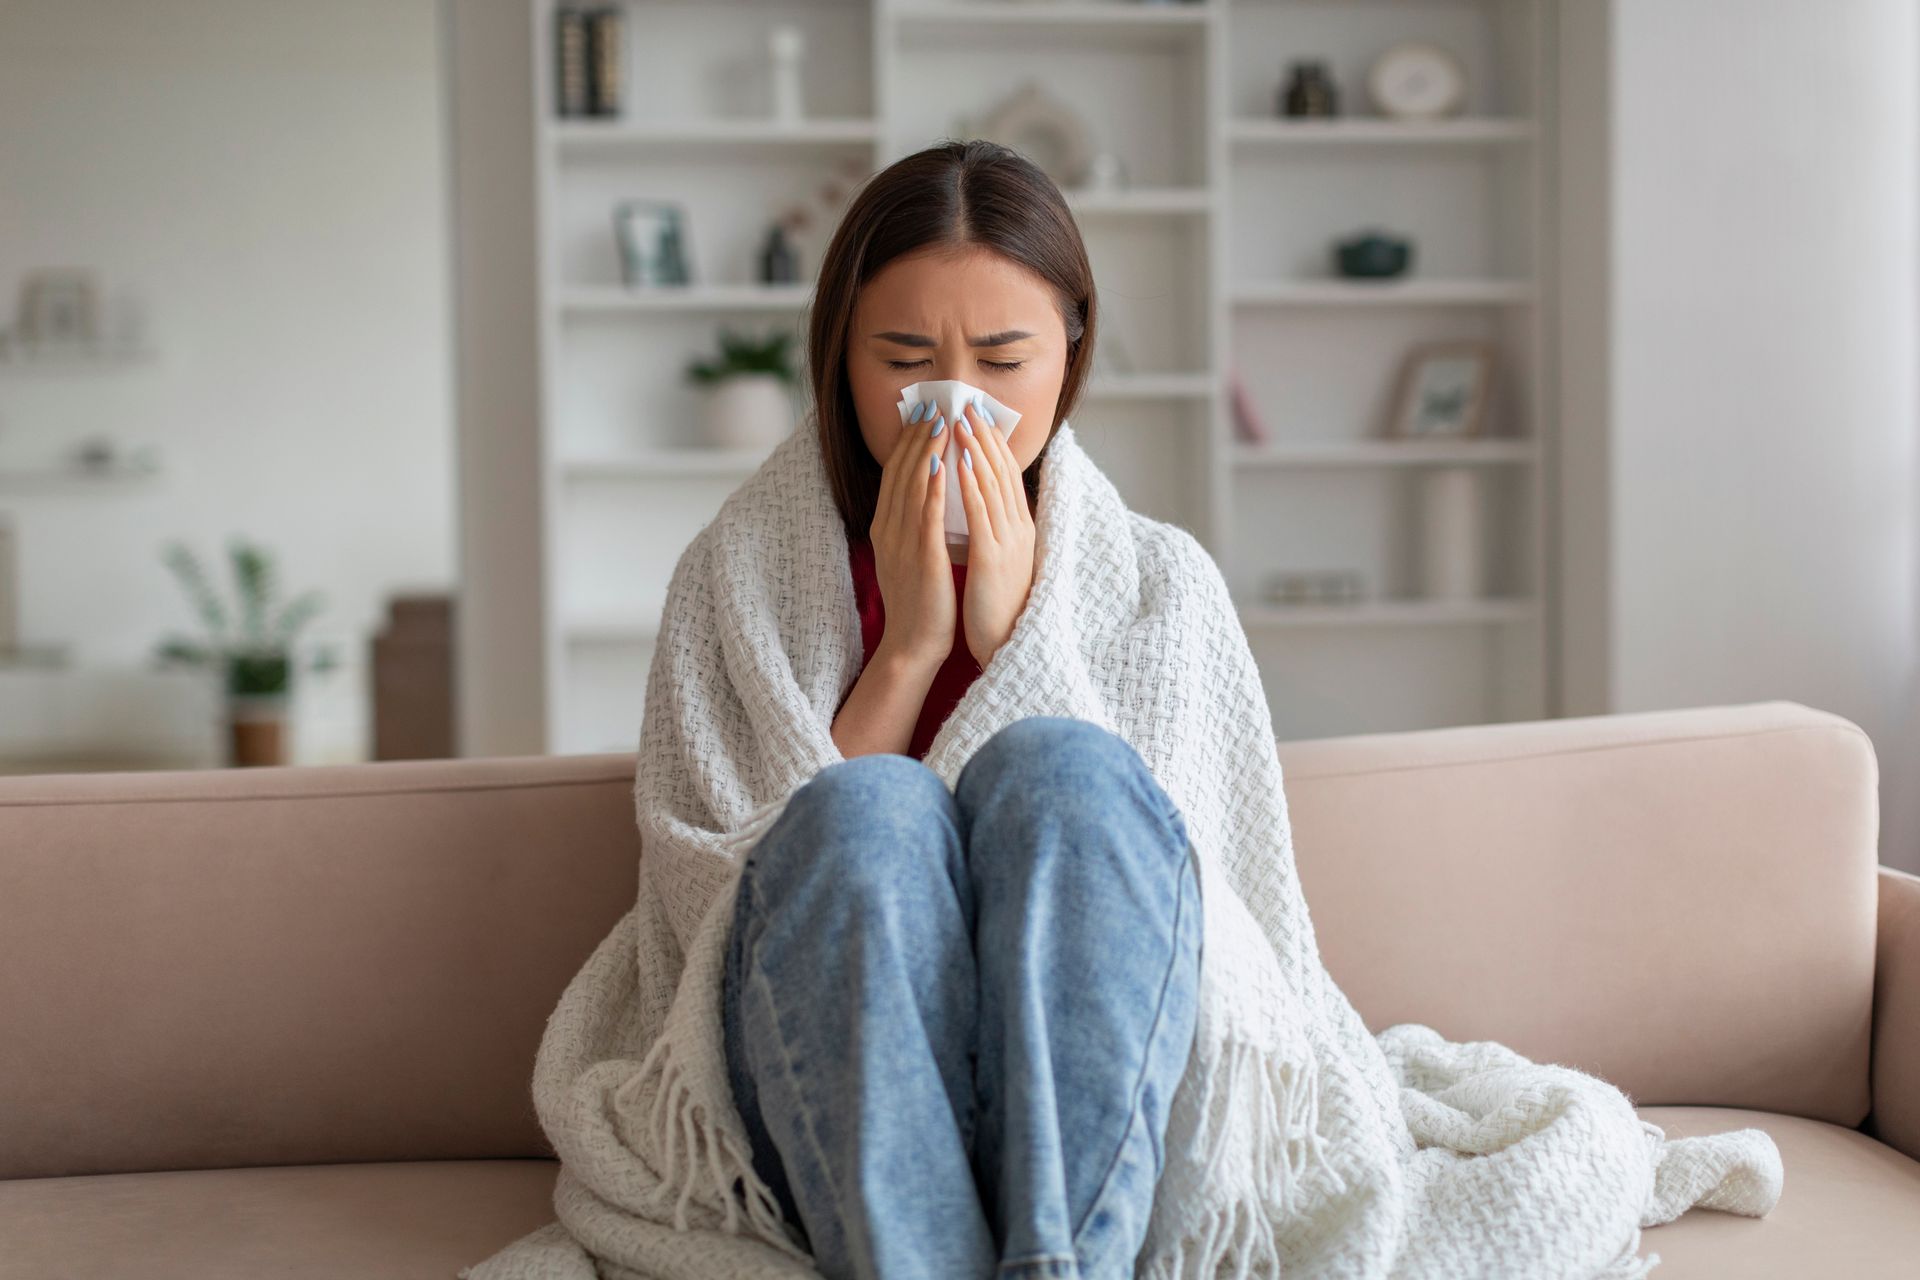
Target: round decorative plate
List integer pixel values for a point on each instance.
(1415, 81)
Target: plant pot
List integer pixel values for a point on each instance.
(748, 411)
(257, 729)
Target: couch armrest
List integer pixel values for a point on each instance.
(1681, 901)
(1896, 1015)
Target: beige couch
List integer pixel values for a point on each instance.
(281, 1022)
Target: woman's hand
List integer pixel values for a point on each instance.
(999, 532)
(910, 550)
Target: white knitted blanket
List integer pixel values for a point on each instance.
(1298, 1142)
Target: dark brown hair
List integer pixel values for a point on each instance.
(955, 194)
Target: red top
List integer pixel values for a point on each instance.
(955, 674)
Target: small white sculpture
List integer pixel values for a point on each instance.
(785, 47)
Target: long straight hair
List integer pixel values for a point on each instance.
(954, 194)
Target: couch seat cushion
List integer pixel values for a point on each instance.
(395, 1219)
(1849, 1206)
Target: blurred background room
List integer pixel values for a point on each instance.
(365, 366)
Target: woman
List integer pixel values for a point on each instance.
(1025, 946)
(958, 1010)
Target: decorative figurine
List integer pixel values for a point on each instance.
(1310, 91)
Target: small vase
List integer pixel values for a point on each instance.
(1453, 541)
(1310, 93)
(748, 411)
(257, 729)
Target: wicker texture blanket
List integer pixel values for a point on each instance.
(1298, 1142)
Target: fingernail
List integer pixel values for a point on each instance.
(966, 426)
(987, 414)
(966, 456)
(936, 465)
(939, 425)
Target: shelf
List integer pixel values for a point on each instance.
(590, 299)
(578, 136)
(1401, 612)
(1151, 201)
(1149, 386)
(1131, 24)
(1401, 292)
(1054, 12)
(51, 356)
(29, 480)
(649, 463)
(611, 631)
(697, 461)
(1387, 453)
(1360, 131)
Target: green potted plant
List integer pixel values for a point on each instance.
(250, 647)
(749, 386)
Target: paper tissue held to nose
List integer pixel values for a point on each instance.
(950, 396)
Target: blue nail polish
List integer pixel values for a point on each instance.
(936, 465)
(966, 456)
(988, 415)
(939, 425)
(919, 411)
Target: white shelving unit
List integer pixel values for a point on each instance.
(1213, 258)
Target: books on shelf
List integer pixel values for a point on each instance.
(587, 60)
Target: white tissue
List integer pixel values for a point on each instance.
(949, 396)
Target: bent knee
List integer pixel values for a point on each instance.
(858, 819)
(1060, 771)
(862, 783)
(1051, 736)
(1033, 746)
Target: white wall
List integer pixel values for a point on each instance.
(1761, 490)
(267, 177)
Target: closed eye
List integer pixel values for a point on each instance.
(1007, 365)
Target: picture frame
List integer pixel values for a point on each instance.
(1443, 391)
(652, 239)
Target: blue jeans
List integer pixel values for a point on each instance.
(955, 1019)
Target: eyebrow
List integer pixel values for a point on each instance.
(1000, 339)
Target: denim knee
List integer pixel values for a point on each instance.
(1032, 742)
(1060, 761)
(861, 816)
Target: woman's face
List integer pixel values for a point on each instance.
(967, 314)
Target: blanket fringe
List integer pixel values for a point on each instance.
(1628, 1265)
(1269, 1114)
(699, 1158)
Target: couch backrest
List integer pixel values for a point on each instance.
(355, 962)
(295, 965)
(1682, 902)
